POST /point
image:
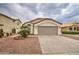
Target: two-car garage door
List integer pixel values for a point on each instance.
(48, 30)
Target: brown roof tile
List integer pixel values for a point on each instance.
(10, 17)
(41, 19)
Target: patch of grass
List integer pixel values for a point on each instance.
(70, 32)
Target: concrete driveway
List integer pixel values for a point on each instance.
(58, 45)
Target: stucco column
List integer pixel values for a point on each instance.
(76, 29)
(73, 28)
(59, 31)
(31, 29)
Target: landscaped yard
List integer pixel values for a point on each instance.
(29, 45)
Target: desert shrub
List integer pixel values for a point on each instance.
(7, 34)
(10, 33)
(1, 33)
(17, 38)
(24, 32)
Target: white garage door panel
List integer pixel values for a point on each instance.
(48, 30)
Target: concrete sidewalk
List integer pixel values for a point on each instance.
(58, 45)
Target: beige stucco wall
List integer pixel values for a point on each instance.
(17, 26)
(31, 29)
(9, 24)
(46, 23)
(35, 29)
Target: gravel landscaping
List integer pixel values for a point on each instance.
(28, 45)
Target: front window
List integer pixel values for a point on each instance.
(70, 28)
(74, 28)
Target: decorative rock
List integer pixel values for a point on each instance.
(18, 38)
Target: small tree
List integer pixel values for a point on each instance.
(25, 31)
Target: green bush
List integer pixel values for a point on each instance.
(24, 32)
(70, 32)
(1, 33)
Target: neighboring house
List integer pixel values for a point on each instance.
(44, 26)
(70, 27)
(8, 24)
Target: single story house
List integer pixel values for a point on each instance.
(70, 27)
(8, 24)
(44, 26)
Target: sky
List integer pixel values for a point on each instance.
(62, 12)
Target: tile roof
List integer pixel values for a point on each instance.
(41, 19)
(10, 17)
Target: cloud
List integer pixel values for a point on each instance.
(63, 12)
(52, 8)
(69, 14)
(17, 10)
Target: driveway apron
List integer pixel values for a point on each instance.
(58, 45)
